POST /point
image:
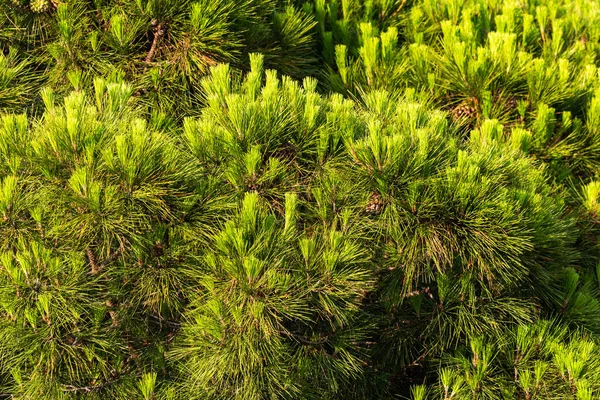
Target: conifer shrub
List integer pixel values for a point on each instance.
(163, 47)
(334, 199)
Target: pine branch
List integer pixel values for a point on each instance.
(398, 10)
(95, 387)
(96, 266)
(92, 260)
(306, 340)
(159, 31)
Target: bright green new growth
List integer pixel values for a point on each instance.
(265, 199)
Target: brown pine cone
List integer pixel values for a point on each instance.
(463, 110)
(375, 204)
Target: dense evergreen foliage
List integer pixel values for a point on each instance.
(277, 199)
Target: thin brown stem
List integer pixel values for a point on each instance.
(98, 266)
(92, 259)
(159, 32)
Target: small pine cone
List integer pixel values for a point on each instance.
(158, 249)
(375, 204)
(39, 6)
(463, 110)
(457, 112)
(511, 103)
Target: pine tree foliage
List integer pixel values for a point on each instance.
(162, 46)
(332, 199)
(539, 361)
(272, 299)
(17, 84)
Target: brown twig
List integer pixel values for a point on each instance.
(96, 386)
(92, 259)
(399, 9)
(96, 266)
(159, 31)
